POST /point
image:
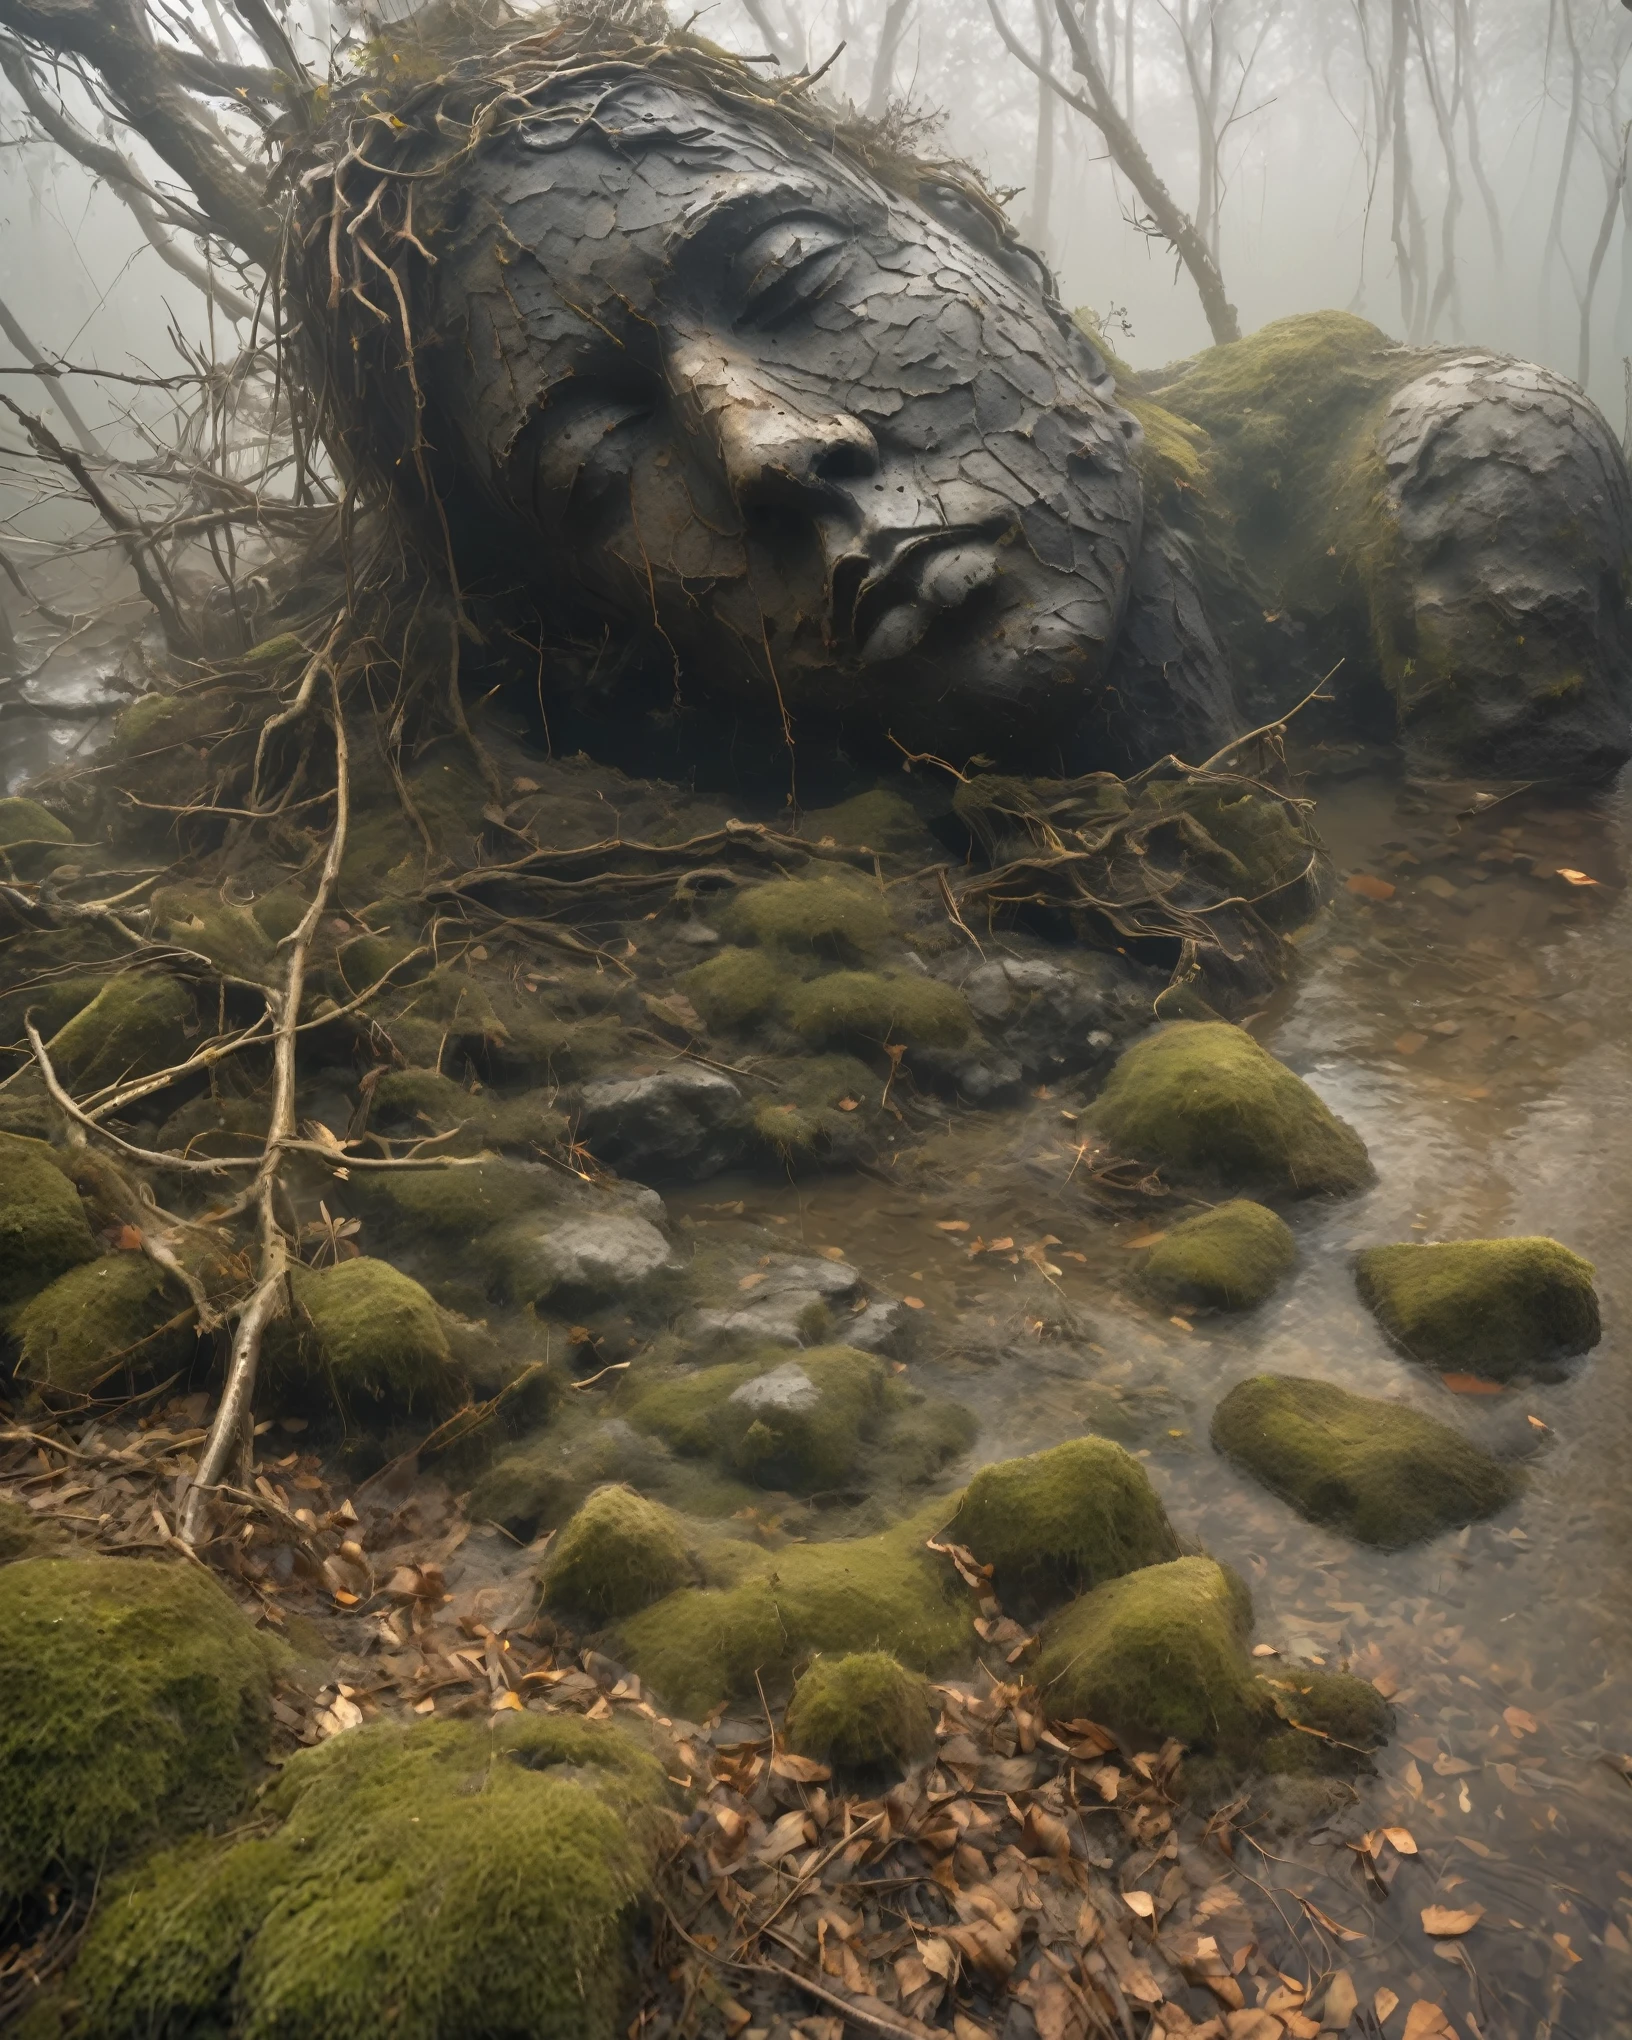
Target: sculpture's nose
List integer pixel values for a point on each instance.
(774, 454)
(777, 450)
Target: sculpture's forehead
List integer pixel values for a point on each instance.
(630, 210)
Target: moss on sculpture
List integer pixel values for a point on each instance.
(796, 1423)
(43, 1230)
(1494, 1307)
(620, 1552)
(863, 1713)
(117, 1313)
(830, 913)
(374, 1336)
(403, 1883)
(1160, 1652)
(1203, 1099)
(1386, 1475)
(887, 1592)
(1230, 1258)
(867, 1006)
(1063, 1521)
(135, 1703)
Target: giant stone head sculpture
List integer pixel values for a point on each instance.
(694, 373)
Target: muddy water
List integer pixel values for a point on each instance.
(1477, 1028)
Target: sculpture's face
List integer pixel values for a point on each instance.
(840, 450)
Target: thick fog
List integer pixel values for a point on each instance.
(1455, 170)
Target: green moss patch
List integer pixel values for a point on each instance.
(1494, 1307)
(43, 1231)
(798, 1424)
(734, 988)
(25, 1535)
(405, 1883)
(424, 1102)
(30, 836)
(231, 937)
(1387, 1475)
(1160, 1652)
(133, 1026)
(876, 820)
(865, 1714)
(829, 913)
(135, 1703)
(1202, 1098)
(1230, 1258)
(1333, 1720)
(865, 1006)
(116, 1312)
(620, 1552)
(375, 1335)
(704, 1645)
(1062, 1521)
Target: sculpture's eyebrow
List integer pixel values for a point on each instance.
(747, 204)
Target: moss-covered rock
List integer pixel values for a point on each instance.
(815, 1114)
(620, 1552)
(1230, 1258)
(797, 1424)
(133, 1026)
(135, 1703)
(118, 1312)
(230, 936)
(1494, 1307)
(735, 988)
(424, 1102)
(1333, 1720)
(43, 1231)
(831, 913)
(404, 1883)
(30, 836)
(1202, 1098)
(879, 819)
(1063, 1521)
(888, 1592)
(866, 1006)
(375, 1336)
(1160, 1652)
(865, 1714)
(1385, 1474)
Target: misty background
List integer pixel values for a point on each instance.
(1455, 170)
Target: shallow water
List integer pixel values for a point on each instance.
(1477, 1029)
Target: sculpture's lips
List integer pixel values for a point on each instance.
(927, 575)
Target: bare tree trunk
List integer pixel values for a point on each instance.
(1612, 205)
(1095, 104)
(1406, 226)
(1042, 176)
(896, 15)
(1476, 160)
(1130, 7)
(1553, 247)
(776, 43)
(1448, 287)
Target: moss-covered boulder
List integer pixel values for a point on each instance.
(133, 1026)
(1493, 1307)
(135, 1703)
(413, 1101)
(736, 987)
(1202, 1098)
(865, 1714)
(870, 1007)
(1387, 1475)
(119, 1315)
(1063, 1521)
(1332, 1720)
(43, 1231)
(879, 819)
(620, 1552)
(1160, 1652)
(829, 912)
(31, 837)
(402, 1883)
(1231, 1258)
(773, 1608)
(797, 1424)
(374, 1336)
(232, 937)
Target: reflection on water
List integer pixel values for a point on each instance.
(1476, 1026)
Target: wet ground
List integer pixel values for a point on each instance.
(1467, 1005)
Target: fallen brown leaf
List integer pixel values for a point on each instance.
(1427, 2022)
(1445, 1921)
(1369, 888)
